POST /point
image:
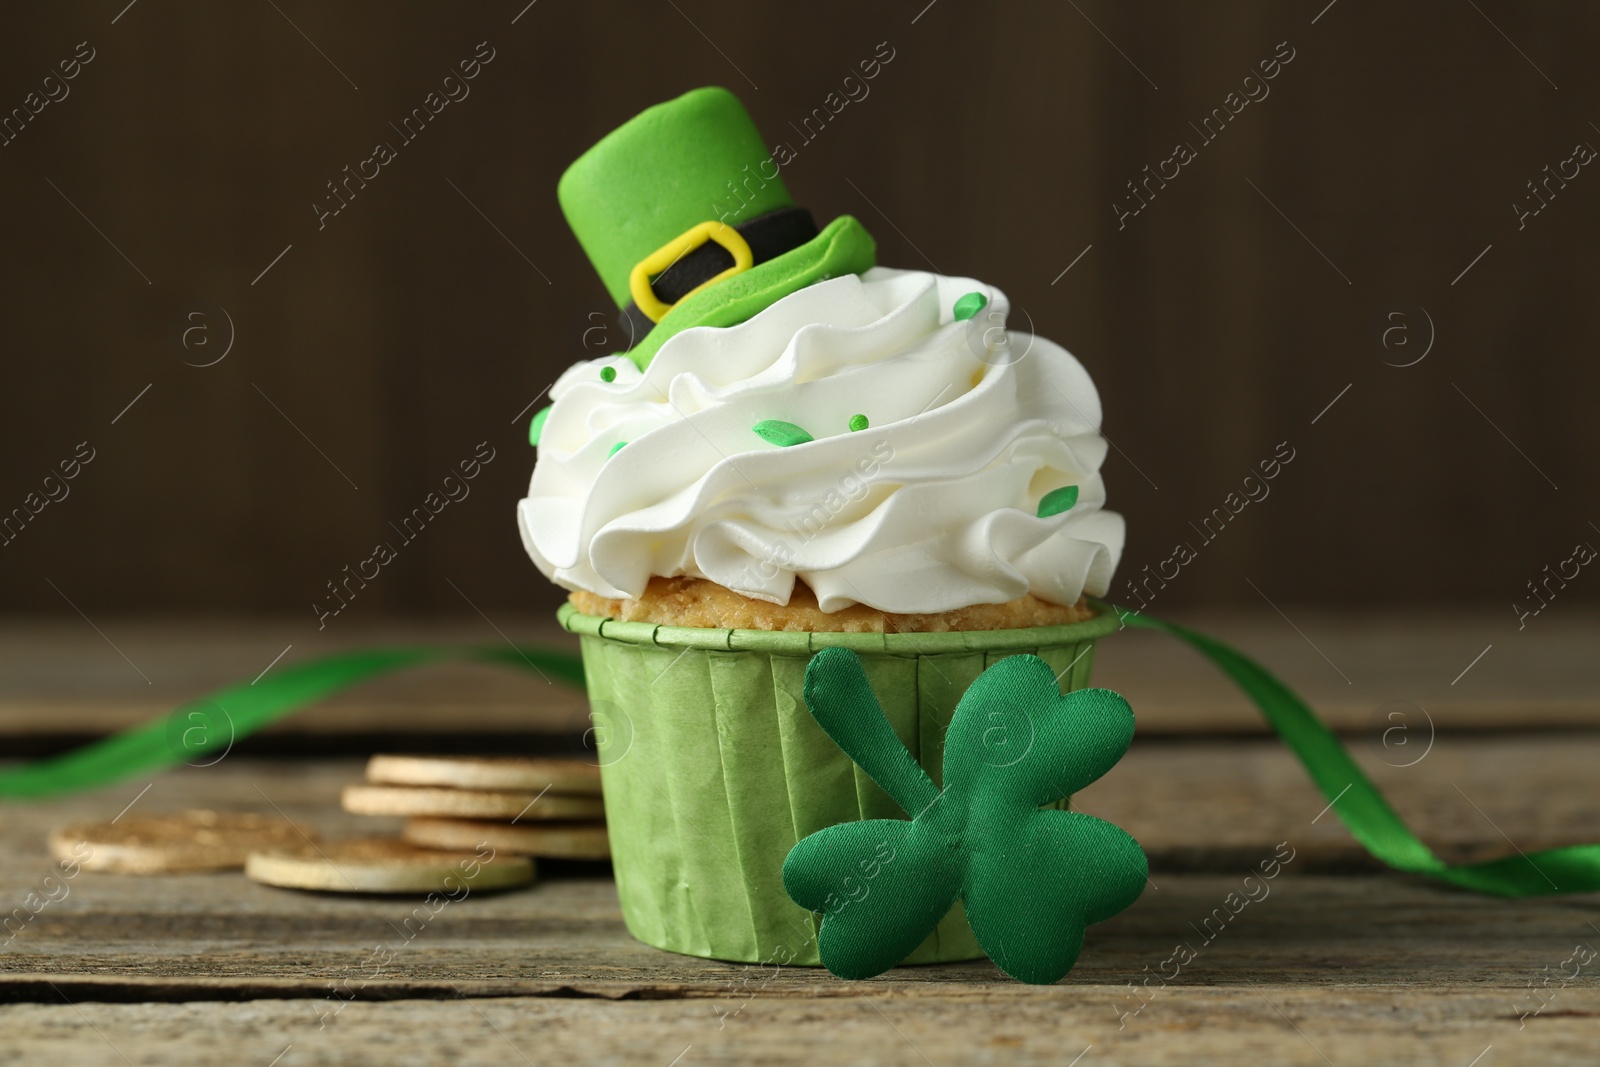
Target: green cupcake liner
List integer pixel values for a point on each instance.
(713, 768)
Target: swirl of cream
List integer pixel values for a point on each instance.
(932, 507)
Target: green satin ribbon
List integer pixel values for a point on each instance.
(201, 732)
(1359, 805)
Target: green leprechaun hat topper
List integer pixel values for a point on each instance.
(683, 214)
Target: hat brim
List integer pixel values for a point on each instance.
(843, 247)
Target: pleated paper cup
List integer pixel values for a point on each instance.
(713, 768)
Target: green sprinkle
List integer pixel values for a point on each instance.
(536, 427)
(781, 433)
(969, 306)
(1058, 500)
(608, 374)
(858, 422)
(618, 448)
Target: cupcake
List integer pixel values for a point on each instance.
(797, 450)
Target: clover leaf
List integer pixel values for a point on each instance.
(1030, 879)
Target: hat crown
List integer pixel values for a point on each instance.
(678, 164)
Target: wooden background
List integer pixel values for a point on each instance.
(1342, 963)
(378, 351)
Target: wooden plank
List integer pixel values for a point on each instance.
(1220, 808)
(197, 968)
(203, 936)
(61, 678)
(1194, 805)
(1354, 670)
(1223, 800)
(867, 1023)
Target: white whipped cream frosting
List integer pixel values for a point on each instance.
(933, 507)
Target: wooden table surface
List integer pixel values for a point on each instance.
(1342, 963)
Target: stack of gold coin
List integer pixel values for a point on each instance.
(546, 808)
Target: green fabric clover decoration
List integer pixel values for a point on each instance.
(1031, 880)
